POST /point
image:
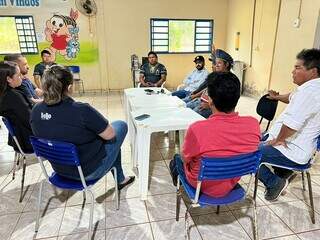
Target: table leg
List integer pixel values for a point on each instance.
(133, 142)
(143, 149)
(172, 136)
(181, 138)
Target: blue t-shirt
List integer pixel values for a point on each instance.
(28, 88)
(76, 123)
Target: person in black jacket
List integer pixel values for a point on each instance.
(14, 105)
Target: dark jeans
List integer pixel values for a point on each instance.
(176, 168)
(113, 150)
(181, 93)
(273, 156)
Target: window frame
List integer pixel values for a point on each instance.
(211, 33)
(25, 35)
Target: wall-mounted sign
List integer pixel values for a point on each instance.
(19, 3)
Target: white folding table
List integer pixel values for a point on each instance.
(161, 119)
(137, 98)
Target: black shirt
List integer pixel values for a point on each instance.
(40, 67)
(151, 73)
(15, 106)
(76, 123)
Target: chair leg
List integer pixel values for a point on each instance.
(267, 126)
(255, 225)
(218, 209)
(303, 181)
(82, 87)
(178, 203)
(116, 191)
(84, 196)
(39, 206)
(18, 159)
(186, 221)
(311, 198)
(255, 187)
(24, 165)
(16, 156)
(91, 212)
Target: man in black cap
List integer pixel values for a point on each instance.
(222, 62)
(193, 79)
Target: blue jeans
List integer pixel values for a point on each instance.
(273, 156)
(181, 94)
(113, 150)
(194, 103)
(203, 112)
(187, 99)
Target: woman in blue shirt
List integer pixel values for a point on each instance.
(61, 118)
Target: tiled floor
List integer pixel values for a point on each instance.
(154, 219)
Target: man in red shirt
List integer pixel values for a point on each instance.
(223, 134)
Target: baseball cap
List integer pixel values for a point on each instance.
(198, 59)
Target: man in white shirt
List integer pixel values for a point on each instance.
(292, 139)
(193, 79)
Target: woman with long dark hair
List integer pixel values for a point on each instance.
(14, 105)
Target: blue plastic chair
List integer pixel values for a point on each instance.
(18, 155)
(218, 169)
(75, 70)
(303, 169)
(66, 154)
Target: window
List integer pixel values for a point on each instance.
(17, 35)
(181, 36)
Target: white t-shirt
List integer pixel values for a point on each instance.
(303, 115)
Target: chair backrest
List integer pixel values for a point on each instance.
(74, 69)
(9, 126)
(229, 167)
(56, 152)
(144, 60)
(267, 108)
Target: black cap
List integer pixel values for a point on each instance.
(198, 59)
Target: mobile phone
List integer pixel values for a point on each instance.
(148, 90)
(142, 117)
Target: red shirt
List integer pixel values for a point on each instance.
(222, 135)
(59, 42)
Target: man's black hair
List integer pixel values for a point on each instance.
(12, 57)
(224, 90)
(45, 51)
(310, 58)
(152, 53)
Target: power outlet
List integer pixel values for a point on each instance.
(296, 23)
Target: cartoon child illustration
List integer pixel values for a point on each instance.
(58, 32)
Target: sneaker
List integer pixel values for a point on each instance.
(272, 194)
(122, 185)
